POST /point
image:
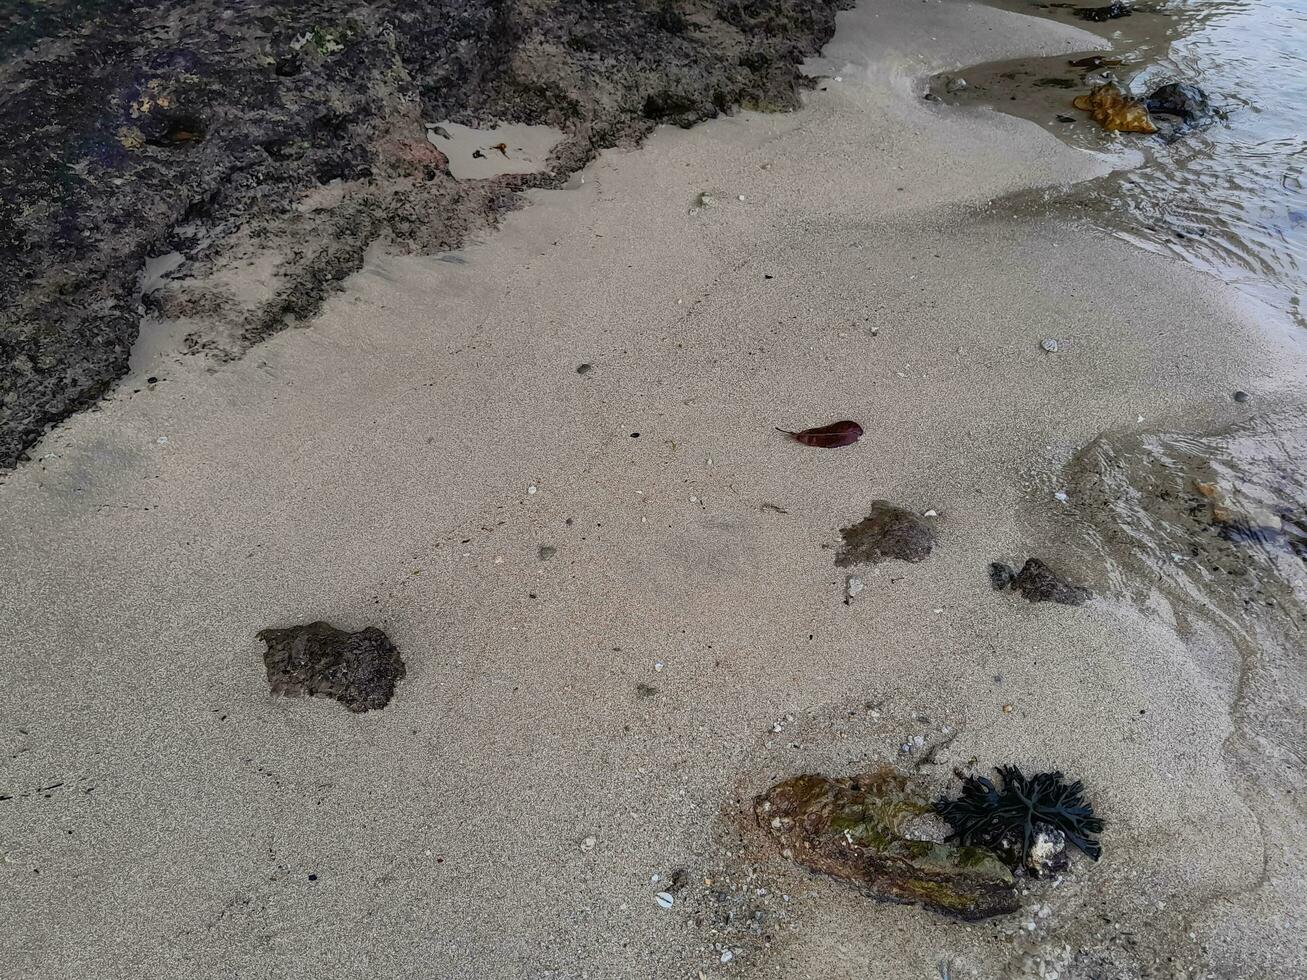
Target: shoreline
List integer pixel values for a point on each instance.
(403, 459)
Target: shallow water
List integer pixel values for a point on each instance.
(1230, 198)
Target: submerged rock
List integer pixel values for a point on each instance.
(1039, 583)
(1113, 108)
(1188, 102)
(854, 828)
(360, 670)
(887, 532)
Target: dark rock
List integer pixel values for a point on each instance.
(887, 532)
(856, 829)
(1001, 576)
(359, 670)
(1039, 583)
(1094, 61)
(1181, 99)
(1112, 11)
(1241, 396)
(134, 127)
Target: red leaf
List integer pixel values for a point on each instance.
(831, 436)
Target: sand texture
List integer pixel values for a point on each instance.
(615, 590)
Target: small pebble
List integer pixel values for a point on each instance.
(588, 844)
(727, 956)
(1241, 396)
(531, 489)
(664, 900)
(1049, 345)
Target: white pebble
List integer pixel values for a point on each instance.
(664, 900)
(531, 489)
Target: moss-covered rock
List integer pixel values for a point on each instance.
(857, 828)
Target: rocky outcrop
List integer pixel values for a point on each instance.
(135, 128)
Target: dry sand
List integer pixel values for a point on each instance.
(171, 819)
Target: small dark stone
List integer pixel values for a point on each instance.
(887, 532)
(1001, 576)
(1039, 583)
(1112, 11)
(1065, 119)
(547, 551)
(931, 97)
(360, 670)
(151, 381)
(643, 690)
(1241, 396)
(584, 368)
(313, 877)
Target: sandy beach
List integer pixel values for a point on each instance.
(615, 590)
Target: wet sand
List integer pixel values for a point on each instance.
(401, 460)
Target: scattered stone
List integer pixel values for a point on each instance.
(588, 845)
(360, 670)
(643, 690)
(1001, 576)
(1065, 119)
(1039, 583)
(852, 586)
(584, 368)
(955, 85)
(547, 551)
(1094, 61)
(887, 532)
(665, 900)
(1112, 11)
(854, 828)
(1049, 345)
(1241, 396)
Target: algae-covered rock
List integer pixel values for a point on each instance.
(887, 532)
(1112, 108)
(360, 670)
(856, 828)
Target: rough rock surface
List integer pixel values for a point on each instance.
(1039, 583)
(134, 128)
(887, 532)
(360, 670)
(854, 828)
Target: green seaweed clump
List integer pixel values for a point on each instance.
(1009, 819)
